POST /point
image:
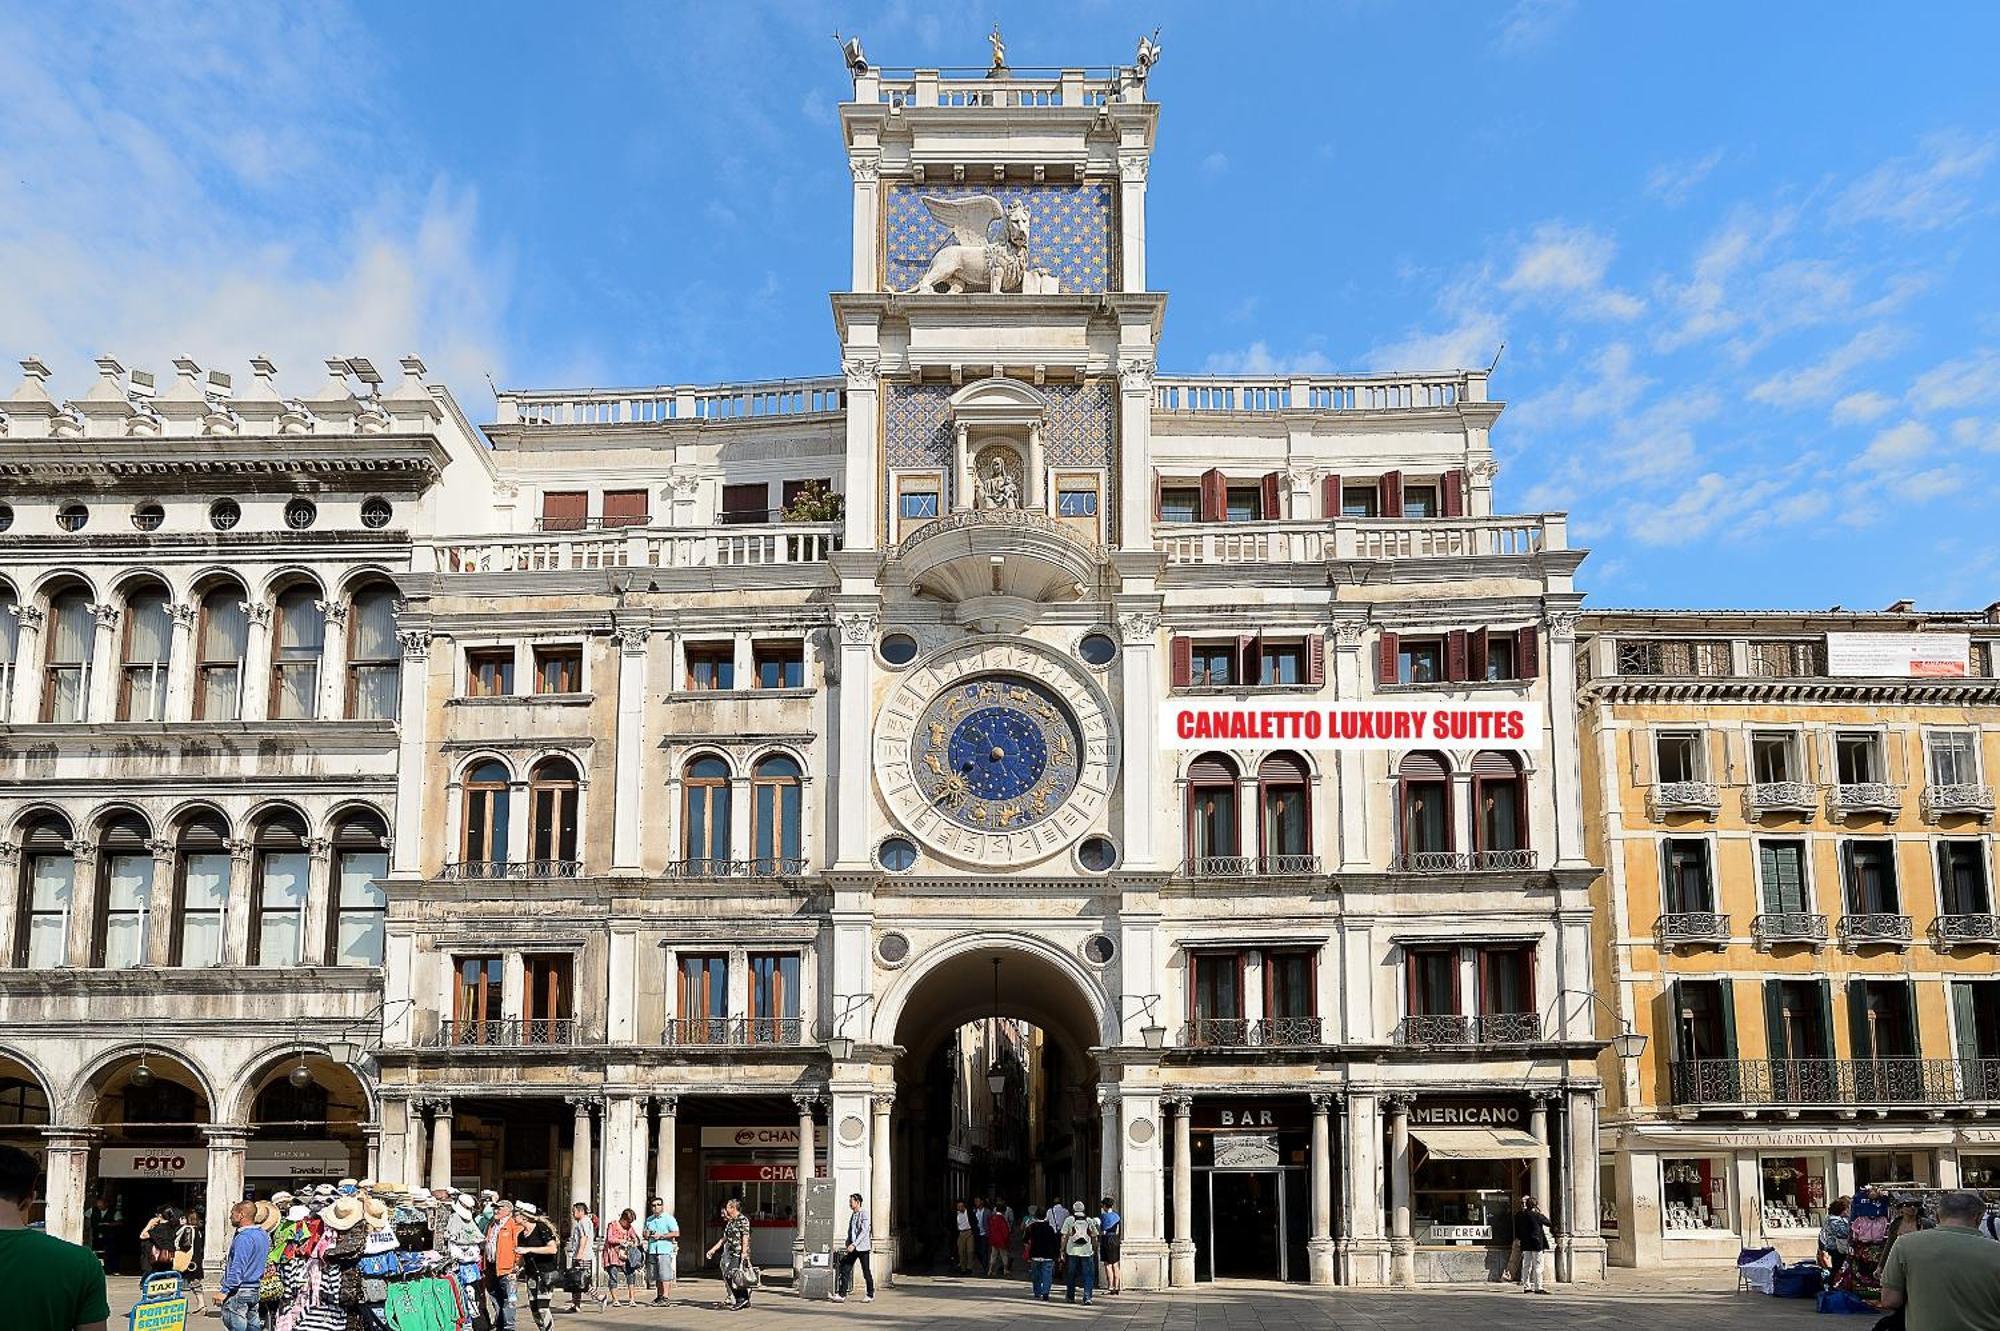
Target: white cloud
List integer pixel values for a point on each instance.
(1712, 501)
(1863, 407)
(1613, 386)
(1822, 379)
(1957, 384)
(1566, 265)
(1930, 189)
(1705, 301)
(1529, 24)
(1895, 447)
(1215, 165)
(1673, 182)
(1937, 483)
(1258, 358)
(1970, 432)
(1469, 342)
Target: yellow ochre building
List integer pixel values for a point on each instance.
(1794, 812)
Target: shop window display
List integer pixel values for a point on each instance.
(1794, 1188)
(1695, 1194)
(1607, 1196)
(1882, 1169)
(1466, 1202)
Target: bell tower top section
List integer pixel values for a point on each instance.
(999, 180)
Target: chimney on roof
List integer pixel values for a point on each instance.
(1993, 613)
(1902, 607)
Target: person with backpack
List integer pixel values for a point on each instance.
(1040, 1249)
(540, 1254)
(1081, 1236)
(187, 1261)
(624, 1254)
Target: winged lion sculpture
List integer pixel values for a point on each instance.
(977, 258)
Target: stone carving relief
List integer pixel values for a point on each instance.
(999, 482)
(977, 258)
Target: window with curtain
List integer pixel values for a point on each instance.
(374, 660)
(1871, 877)
(298, 636)
(705, 821)
(1433, 981)
(1506, 980)
(1218, 986)
(125, 895)
(1213, 828)
(1781, 875)
(204, 894)
(484, 838)
(1689, 889)
(1496, 794)
(1962, 878)
(1953, 757)
(10, 643)
(72, 627)
(48, 894)
(360, 905)
(278, 894)
(1426, 799)
(1288, 988)
(703, 998)
(552, 797)
(775, 814)
(1282, 783)
(142, 689)
(547, 997)
(774, 997)
(477, 1001)
(222, 640)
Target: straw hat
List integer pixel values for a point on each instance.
(377, 1212)
(344, 1214)
(298, 1213)
(265, 1216)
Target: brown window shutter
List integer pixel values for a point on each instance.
(625, 508)
(1475, 654)
(1454, 655)
(1249, 660)
(1391, 489)
(1385, 659)
(1329, 497)
(1527, 653)
(1315, 660)
(1181, 653)
(1451, 494)
(1214, 496)
(1273, 503)
(564, 510)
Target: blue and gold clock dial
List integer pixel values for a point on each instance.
(996, 753)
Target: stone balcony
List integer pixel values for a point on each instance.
(1870, 797)
(1776, 927)
(1462, 861)
(996, 565)
(633, 547)
(1692, 928)
(1879, 929)
(1485, 1030)
(1957, 801)
(1366, 539)
(1800, 798)
(1968, 931)
(1672, 797)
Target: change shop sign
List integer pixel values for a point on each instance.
(1310, 723)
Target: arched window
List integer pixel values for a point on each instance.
(10, 646)
(484, 840)
(374, 663)
(278, 892)
(775, 815)
(222, 638)
(360, 905)
(201, 872)
(149, 632)
(47, 895)
(1213, 829)
(23, 1104)
(298, 635)
(72, 626)
(1424, 804)
(1501, 812)
(124, 894)
(552, 790)
(705, 838)
(1286, 821)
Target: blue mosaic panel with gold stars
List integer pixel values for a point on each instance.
(1069, 230)
(1080, 431)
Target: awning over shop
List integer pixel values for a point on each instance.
(1480, 1144)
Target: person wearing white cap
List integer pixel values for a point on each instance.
(541, 1258)
(1080, 1237)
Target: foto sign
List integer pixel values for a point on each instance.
(1302, 722)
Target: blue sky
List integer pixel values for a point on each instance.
(1743, 256)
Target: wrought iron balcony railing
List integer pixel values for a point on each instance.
(1966, 931)
(1452, 1030)
(1250, 866)
(782, 866)
(1683, 928)
(708, 1032)
(1462, 861)
(1860, 930)
(1862, 797)
(1796, 1081)
(462, 870)
(1241, 1033)
(1788, 926)
(1764, 797)
(1945, 801)
(1703, 797)
(507, 1033)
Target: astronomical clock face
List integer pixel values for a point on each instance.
(995, 754)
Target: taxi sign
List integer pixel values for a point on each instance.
(163, 1304)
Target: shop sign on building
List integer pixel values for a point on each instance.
(761, 1137)
(1246, 1150)
(771, 1173)
(1306, 723)
(1899, 655)
(306, 1159)
(1465, 1114)
(174, 1164)
(1246, 1116)
(1460, 1233)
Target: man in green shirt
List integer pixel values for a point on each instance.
(48, 1285)
(1948, 1278)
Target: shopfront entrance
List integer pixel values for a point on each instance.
(759, 1166)
(1471, 1163)
(1249, 1201)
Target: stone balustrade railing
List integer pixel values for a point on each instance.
(1359, 538)
(634, 547)
(682, 402)
(1390, 392)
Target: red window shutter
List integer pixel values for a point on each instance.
(1273, 502)
(1181, 652)
(1527, 653)
(1454, 655)
(1315, 660)
(1451, 494)
(1249, 660)
(1329, 497)
(563, 510)
(1214, 496)
(1391, 490)
(1385, 659)
(1475, 654)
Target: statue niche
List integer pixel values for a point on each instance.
(998, 481)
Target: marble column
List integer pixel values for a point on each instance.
(1319, 1242)
(880, 1190)
(68, 1167)
(1139, 638)
(440, 1144)
(227, 1146)
(180, 664)
(371, 1136)
(1107, 1142)
(669, 1145)
(1180, 1250)
(315, 945)
(26, 705)
(1538, 1171)
(84, 903)
(580, 1167)
(629, 757)
(1402, 1248)
(413, 756)
(1565, 767)
(621, 1128)
(256, 686)
(805, 1107)
(159, 943)
(102, 703)
(333, 660)
(1588, 1252)
(236, 906)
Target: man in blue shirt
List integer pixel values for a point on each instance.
(663, 1241)
(249, 1253)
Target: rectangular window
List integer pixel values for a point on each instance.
(1705, 1026)
(1358, 501)
(747, 503)
(1953, 757)
(1426, 817)
(1787, 660)
(1506, 981)
(1282, 663)
(1419, 661)
(1858, 756)
(1795, 1192)
(1694, 1194)
(1781, 877)
(1076, 502)
(1180, 504)
(1870, 868)
(1796, 1027)
(361, 908)
(1689, 888)
(1771, 759)
(780, 665)
(128, 906)
(711, 666)
(1500, 657)
(564, 510)
(1420, 501)
(918, 504)
(477, 1001)
(547, 998)
(1245, 503)
(489, 673)
(791, 492)
(626, 508)
(774, 998)
(1288, 987)
(1432, 981)
(1962, 878)
(204, 899)
(1214, 664)
(1678, 755)
(281, 907)
(558, 669)
(1218, 986)
(374, 658)
(51, 892)
(703, 1001)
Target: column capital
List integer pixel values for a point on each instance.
(1398, 1102)
(668, 1105)
(438, 1105)
(1348, 634)
(31, 616)
(1139, 628)
(416, 643)
(1178, 1103)
(806, 1103)
(10, 852)
(107, 613)
(256, 612)
(1322, 1102)
(183, 614)
(226, 1136)
(882, 1101)
(71, 1136)
(1544, 1096)
(857, 627)
(1562, 625)
(335, 610)
(632, 639)
(584, 1104)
